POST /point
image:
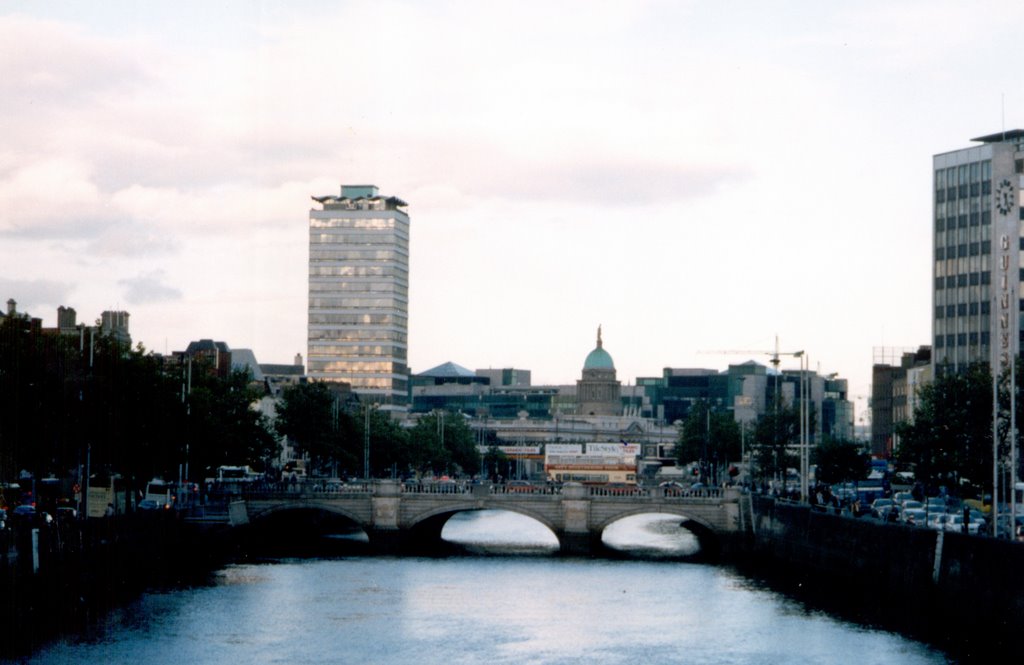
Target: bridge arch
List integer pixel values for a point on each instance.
(294, 506)
(707, 536)
(425, 529)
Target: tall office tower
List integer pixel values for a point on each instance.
(977, 244)
(359, 294)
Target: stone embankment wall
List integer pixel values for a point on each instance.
(948, 587)
(81, 570)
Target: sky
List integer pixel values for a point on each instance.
(699, 179)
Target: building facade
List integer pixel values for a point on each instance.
(598, 392)
(976, 245)
(359, 294)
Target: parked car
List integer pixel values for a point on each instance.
(913, 516)
(881, 507)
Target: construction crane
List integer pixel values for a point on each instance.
(804, 407)
(775, 354)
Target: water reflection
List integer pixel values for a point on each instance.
(504, 532)
(499, 532)
(479, 610)
(651, 536)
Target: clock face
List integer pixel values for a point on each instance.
(1004, 197)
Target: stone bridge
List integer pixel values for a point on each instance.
(405, 517)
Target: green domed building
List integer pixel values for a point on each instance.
(598, 393)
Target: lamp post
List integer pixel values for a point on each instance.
(804, 424)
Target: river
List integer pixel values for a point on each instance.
(512, 602)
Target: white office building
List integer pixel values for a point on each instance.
(977, 243)
(359, 294)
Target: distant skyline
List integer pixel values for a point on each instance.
(691, 177)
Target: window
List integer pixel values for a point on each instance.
(961, 280)
(974, 339)
(986, 248)
(939, 341)
(950, 311)
(984, 338)
(973, 249)
(961, 309)
(985, 307)
(940, 283)
(951, 282)
(974, 309)
(975, 278)
(961, 339)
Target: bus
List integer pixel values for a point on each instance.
(590, 469)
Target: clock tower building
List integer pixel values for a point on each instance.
(976, 247)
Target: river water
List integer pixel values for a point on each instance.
(511, 603)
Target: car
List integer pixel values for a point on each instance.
(900, 497)
(955, 523)
(148, 505)
(518, 486)
(880, 507)
(913, 516)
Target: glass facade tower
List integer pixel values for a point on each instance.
(359, 294)
(976, 247)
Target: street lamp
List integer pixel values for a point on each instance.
(805, 390)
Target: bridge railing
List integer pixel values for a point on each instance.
(437, 488)
(519, 490)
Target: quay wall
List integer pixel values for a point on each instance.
(83, 569)
(945, 587)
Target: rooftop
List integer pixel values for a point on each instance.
(1000, 137)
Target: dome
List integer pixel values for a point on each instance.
(598, 358)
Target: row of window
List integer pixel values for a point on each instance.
(348, 223)
(358, 239)
(973, 190)
(400, 322)
(962, 250)
(358, 286)
(319, 301)
(370, 270)
(330, 253)
(982, 218)
(383, 335)
(961, 339)
(963, 174)
(963, 279)
(962, 309)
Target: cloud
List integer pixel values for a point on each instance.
(34, 294)
(148, 288)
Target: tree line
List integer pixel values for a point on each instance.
(947, 444)
(68, 402)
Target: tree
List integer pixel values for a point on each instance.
(949, 442)
(709, 436)
(310, 415)
(389, 443)
(224, 429)
(774, 433)
(841, 461)
(494, 460)
(442, 440)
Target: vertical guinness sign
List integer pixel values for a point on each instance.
(1006, 279)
